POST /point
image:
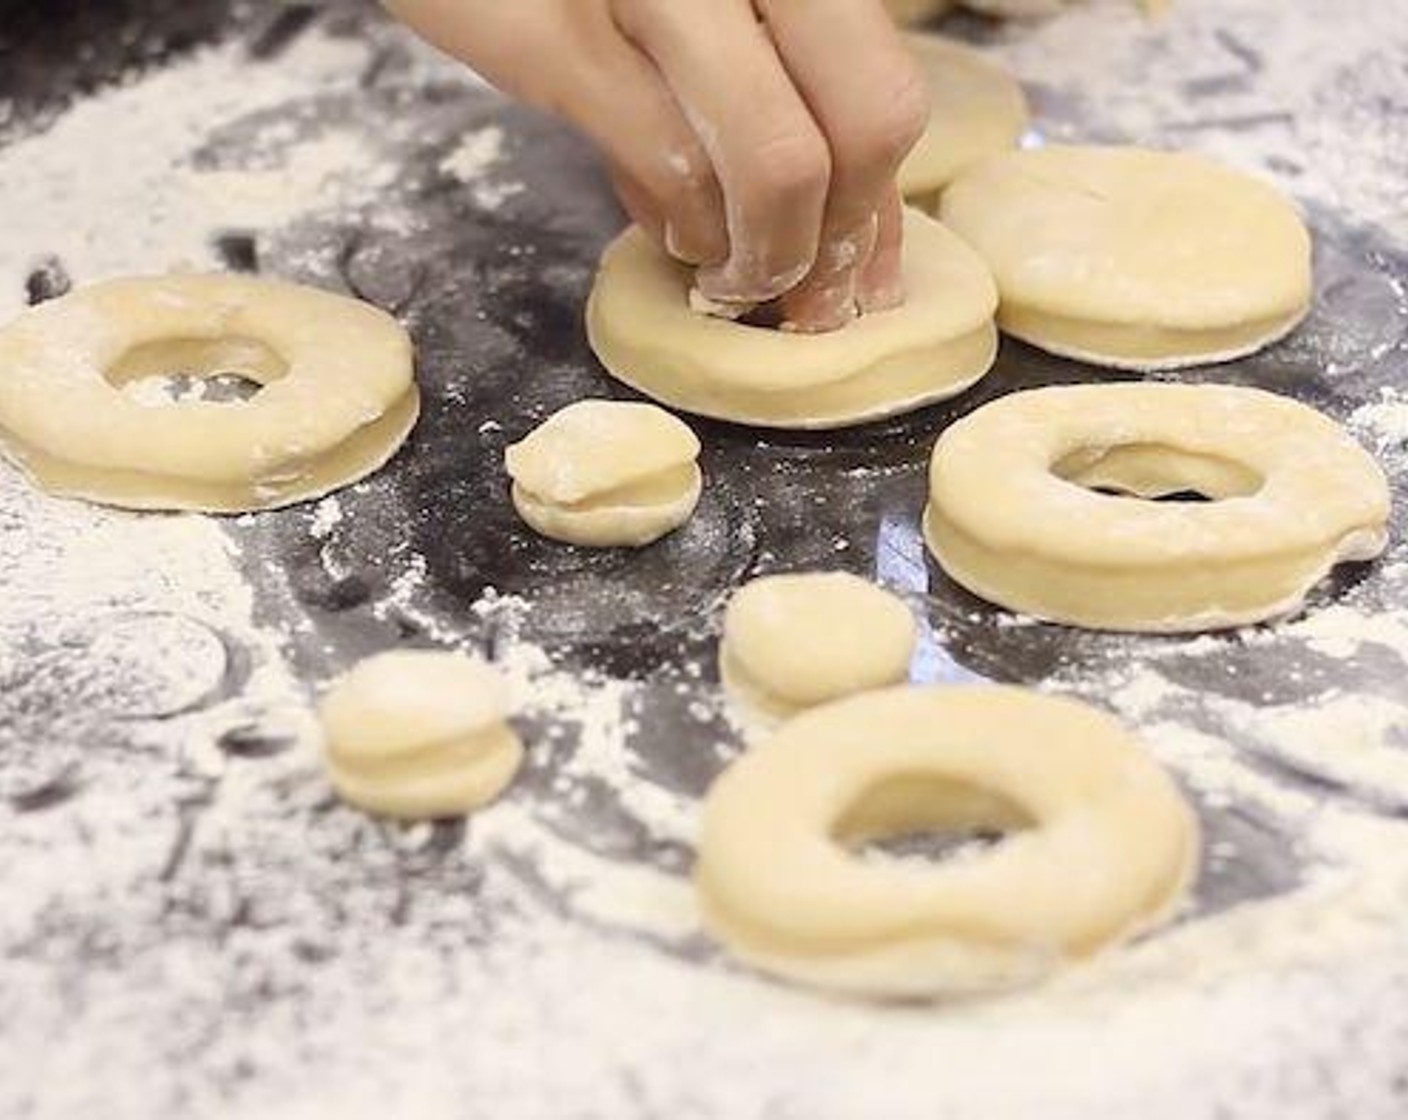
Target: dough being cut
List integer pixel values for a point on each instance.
(1015, 514)
(418, 734)
(1136, 259)
(1099, 843)
(794, 641)
(338, 394)
(978, 111)
(937, 344)
(603, 473)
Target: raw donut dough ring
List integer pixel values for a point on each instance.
(1101, 844)
(603, 473)
(978, 111)
(937, 344)
(797, 640)
(1010, 518)
(338, 397)
(417, 734)
(1135, 259)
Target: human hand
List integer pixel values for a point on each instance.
(756, 139)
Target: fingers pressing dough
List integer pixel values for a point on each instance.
(794, 641)
(1099, 843)
(1015, 514)
(1131, 258)
(978, 110)
(937, 344)
(419, 734)
(603, 473)
(338, 394)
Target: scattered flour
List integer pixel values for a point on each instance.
(130, 155)
(194, 926)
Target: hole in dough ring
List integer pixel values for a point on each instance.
(1101, 845)
(1293, 496)
(338, 396)
(1135, 259)
(978, 110)
(937, 344)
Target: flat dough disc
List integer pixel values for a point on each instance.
(1132, 258)
(978, 111)
(937, 344)
(338, 393)
(1035, 504)
(1099, 844)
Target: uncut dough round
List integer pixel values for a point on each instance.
(1011, 519)
(338, 397)
(1136, 259)
(937, 344)
(419, 734)
(1100, 845)
(798, 640)
(604, 473)
(978, 110)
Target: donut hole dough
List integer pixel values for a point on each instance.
(603, 473)
(937, 344)
(418, 734)
(1099, 845)
(1015, 515)
(338, 393)
(794, 641)
(1132, 258)
(232, 368)
(977, 110)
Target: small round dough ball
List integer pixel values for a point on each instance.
(1131, 258)
(603, 473)
(419, 734)
(978, 110)
(792, 642)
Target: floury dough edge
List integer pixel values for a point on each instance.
(169, 952)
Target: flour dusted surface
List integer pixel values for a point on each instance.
(195, 927)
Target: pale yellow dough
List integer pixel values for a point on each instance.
(978, 110)
(940, 342)
(338, 397)
(603, 473)
(417, 734)
(1011, 519)
(794, 641)
(1131, 258)
(1100, 845)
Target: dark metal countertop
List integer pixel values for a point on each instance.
(430, 552)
